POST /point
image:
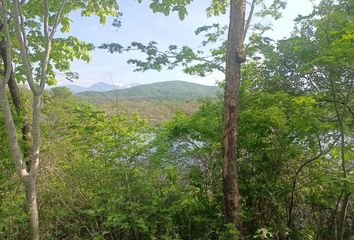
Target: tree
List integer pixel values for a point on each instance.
(17, 100)
(62, 92)
(35, 48)
(316, 60)
(323, 52)
(234, 57)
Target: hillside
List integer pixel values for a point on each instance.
(156, 112)
(175, 91)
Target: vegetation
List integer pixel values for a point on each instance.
(172, 91)
(154, 111)
(108, 173)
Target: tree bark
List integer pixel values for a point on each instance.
(340, 120)
(342, 216)
(27, 179)
(235, 58)
(28, 174)
(36, 132)
(31, 201)
(346, 199)
(17, 101)
(11, 130)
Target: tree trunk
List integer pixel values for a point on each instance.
(27, 179)
(29, 182)
(31, 201)
(19, 106)
(36, 132)
(340, 120)
(235, 57)
(11, 130)
(28, 174)
(342, 216)
(346, 199)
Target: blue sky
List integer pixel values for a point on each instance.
(140, 24)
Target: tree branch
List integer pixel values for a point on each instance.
(21, 37)
(342, 103)
(57, 21)
(298, 171)
(3, 8)
(9, 122)
(48, 39)
(36, 97)
(7, 42)
(249, 18)
(45, 60)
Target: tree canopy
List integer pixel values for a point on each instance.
(268, 157)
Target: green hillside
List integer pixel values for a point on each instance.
(167, 91)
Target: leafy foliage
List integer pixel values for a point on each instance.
(113, 176)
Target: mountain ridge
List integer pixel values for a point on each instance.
(167, 91)
(97, 87)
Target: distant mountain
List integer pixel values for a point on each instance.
(97, 87)
(168, 91)
(76, 88)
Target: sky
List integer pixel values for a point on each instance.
(140, 24)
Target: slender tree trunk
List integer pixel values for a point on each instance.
(342, 216)
(11, 130)
(31, 201)
(19, 106)
(340, 119)
(28, 174)
(235, 57)
(346, 199)
(36, 118)
(27, 179)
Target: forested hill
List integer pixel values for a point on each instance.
(168, 91)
